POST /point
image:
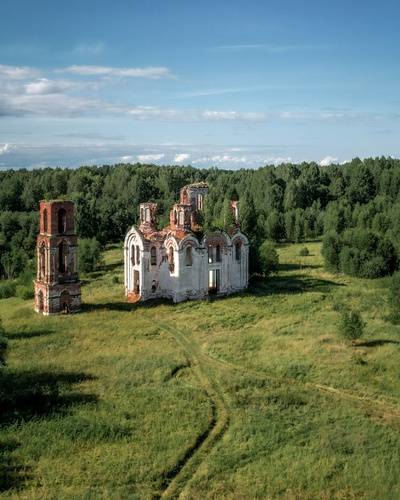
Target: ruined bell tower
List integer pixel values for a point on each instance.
(57, 287)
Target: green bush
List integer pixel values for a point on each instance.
(7, 289)
(24, 292)
(304, 252)
(89, 255)
(269, 259)
(351, 326)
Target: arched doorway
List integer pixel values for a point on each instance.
(64, 302)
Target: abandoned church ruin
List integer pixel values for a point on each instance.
(57, 287)
(180, 262)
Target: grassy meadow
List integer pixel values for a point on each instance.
(249, 397)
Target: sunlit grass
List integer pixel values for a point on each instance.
(113, 402)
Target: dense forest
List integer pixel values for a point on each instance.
(354, 207)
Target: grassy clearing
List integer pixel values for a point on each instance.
(252, 396)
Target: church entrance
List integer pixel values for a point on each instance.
(213, 281)
(64, 302)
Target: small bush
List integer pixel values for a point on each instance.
(304, 252)
(24, 292)
(7, 289)
(351, 326)
(269, 258)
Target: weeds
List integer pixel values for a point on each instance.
(125, 401)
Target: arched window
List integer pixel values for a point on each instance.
(63, 257)
(175, 217)
(133, 255)
(45, 221)
(137, 254)
(199, 201)
(210, 254)
(188, 256)
(238, 248)
(171, 260)
(42, 262)
(153, 256)
(62, 221)
(181, 218)
(148, 217)
(218, 253)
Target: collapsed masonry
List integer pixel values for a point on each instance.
(180, 262)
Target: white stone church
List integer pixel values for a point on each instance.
(180, 262)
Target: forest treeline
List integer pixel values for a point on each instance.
(355, 207)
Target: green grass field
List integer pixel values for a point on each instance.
(251, 396)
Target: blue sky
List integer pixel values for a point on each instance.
(233, 84)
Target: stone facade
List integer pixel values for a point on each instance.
(179, 262)
(57, 287)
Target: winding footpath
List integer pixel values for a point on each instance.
(204, 367)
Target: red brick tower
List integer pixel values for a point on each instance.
(57, 287)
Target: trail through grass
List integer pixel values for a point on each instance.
(251, 396)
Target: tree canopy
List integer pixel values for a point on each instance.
(288, 202)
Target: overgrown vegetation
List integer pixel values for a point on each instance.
(251, 396)
(355, 207)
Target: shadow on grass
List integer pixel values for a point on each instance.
(125, 306)
(294, 284)
(376, 343)
(32, 394)
(11, 474)
(26, 396)
(19, 335)
(297, 267)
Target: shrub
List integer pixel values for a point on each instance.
(90, 255)
(24, 292)
(304, 252)
(7, 289)
(351, 326)
(269, 259)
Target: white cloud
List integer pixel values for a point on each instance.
(221, 160)
(181, 158)
(16, 73)
(7, 148)
(154, 73)
(150, 158)
(327, 161)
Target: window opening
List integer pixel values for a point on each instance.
(218, 251)
(133, 254)
(62, 257)
(171, 260)
(210, 255)
(137, 254)
(188, 256)
(42, 262)
(62, 221)
(153, 256)
(45, 221)
(238, 247)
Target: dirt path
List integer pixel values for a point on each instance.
(205, 367)
(177, 479)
